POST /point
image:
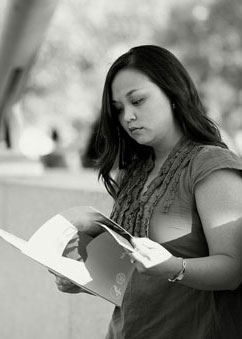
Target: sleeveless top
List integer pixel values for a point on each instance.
(153, 308)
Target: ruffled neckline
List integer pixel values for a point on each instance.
(131, 209)
(174, 153)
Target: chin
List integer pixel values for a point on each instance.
(140, 141)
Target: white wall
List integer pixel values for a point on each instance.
(30, 305)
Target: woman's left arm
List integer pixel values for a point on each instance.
(219, 204)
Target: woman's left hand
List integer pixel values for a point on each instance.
(151, 257)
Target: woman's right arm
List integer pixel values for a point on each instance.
(65, 285)
(73, 251)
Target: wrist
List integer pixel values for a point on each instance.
(179, 270)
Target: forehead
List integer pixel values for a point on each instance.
(128, 80)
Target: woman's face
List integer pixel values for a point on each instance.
(144, 111)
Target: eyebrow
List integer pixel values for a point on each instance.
(130, 93)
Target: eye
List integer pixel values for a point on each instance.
(137, 102)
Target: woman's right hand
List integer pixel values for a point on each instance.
(72, 251)
(65, 285)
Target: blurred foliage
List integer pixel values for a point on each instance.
(207, 35)
(85, 37)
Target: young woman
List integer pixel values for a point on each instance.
(179, 192)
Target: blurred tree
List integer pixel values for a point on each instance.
(65, 85)
(207, 36)
(85, 36)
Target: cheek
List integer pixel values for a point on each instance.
(122, 122)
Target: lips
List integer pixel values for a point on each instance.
(135, 129)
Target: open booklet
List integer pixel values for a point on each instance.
(105, 267)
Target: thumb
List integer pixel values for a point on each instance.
(140, 247)
(144, 242)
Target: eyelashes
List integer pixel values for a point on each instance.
(137, 101)
(134, 102)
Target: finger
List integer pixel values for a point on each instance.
(137, 257)
(63, 282)
(142, 250)
(62, 288)
(145, 242)
(65, 288)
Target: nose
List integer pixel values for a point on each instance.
(129, 114)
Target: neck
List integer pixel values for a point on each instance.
(162, 150)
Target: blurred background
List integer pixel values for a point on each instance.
(53, 119)
(54, 56)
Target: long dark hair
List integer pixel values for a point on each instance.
(162, 68)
